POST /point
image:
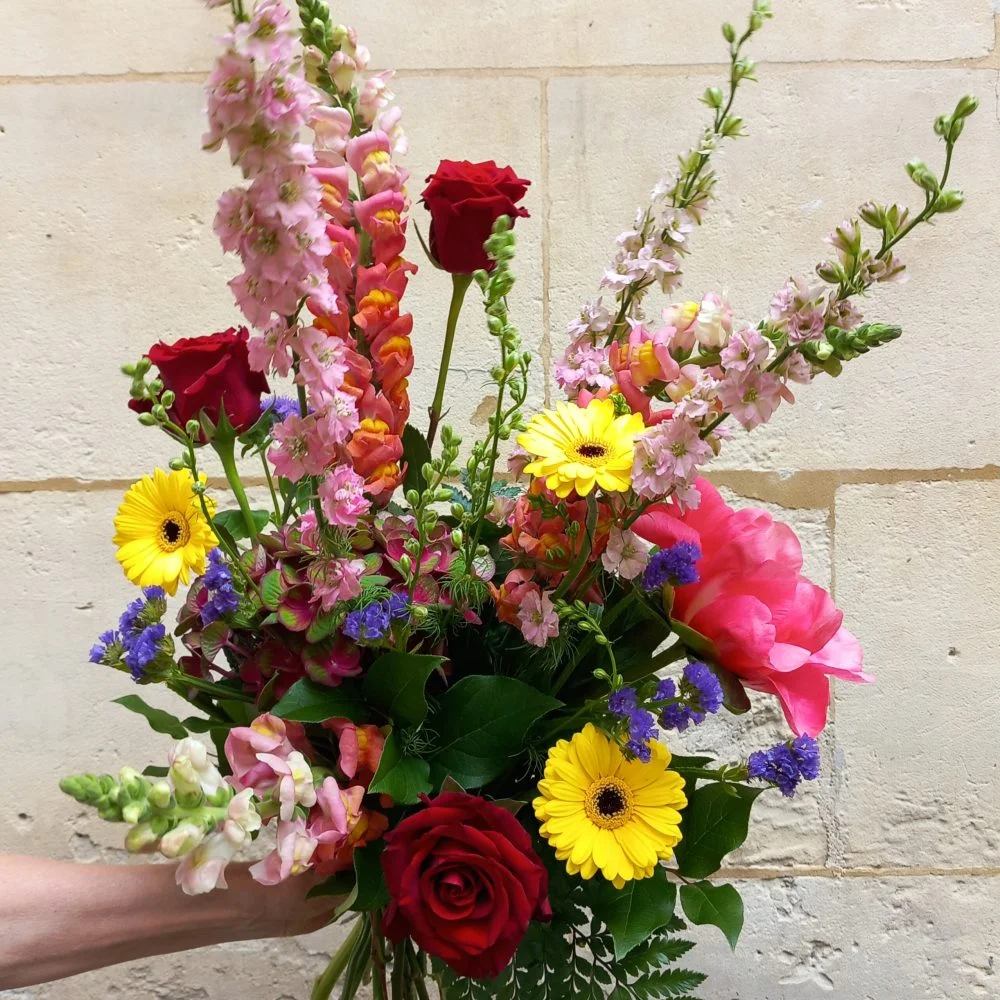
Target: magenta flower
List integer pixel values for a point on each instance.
(769, 625)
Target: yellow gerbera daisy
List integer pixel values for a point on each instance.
(602, 812)
(578, 449)
(161, 531)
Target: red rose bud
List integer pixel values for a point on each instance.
(464, 883)
(464, 200)
(210, 373)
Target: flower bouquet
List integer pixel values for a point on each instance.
(439, 689)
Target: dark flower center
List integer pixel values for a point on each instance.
(609, 802)
(174, 532)
(592, 450)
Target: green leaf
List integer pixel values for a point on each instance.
(155, 771)
(734, 695)
(719, 905)
(324, 625)
(340, 884)
(633, 913)
(694, 641)
(680, 763)
(373, 893)
(714, 823)
(232, 521)
(159, 721)
(213, 637)
(194, 724)
(403, 778)
(481, 723)
(416, 452)
(395, 684)
(271, 589)
(307, 701)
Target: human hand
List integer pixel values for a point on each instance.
(281, 910)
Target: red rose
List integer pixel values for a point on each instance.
(465, 883)
(464, 200)
(209, 373)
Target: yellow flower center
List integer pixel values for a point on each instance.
(592, 453)
(608, 803)
(174, 532)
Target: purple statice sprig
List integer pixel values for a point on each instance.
(218, 580)
(698, 695)
(140, 641)
(676, 566)
(641, 723)
(786, 765)
(373, 622)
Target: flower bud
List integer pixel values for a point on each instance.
(966, 106)
(182, 838)
(405, 563)
(192, 428)
(713, 97)
(457, 537)
(135, 811)
(128, 370)
(168, 398)
(729, 33)
(159, 795)
(921, 175)
(141, 839)
(143, 365)
(178, 464)
(949, 201)
(147, 420)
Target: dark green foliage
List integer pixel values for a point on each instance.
(573, 958)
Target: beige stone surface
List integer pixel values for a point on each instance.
(889, 863)
(918, 572)
(115, 36)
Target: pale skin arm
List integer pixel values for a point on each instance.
(58, 919)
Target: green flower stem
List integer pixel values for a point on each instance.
(185, 681)
(576, 568)
(380, 989)
(304, 410)
(459, 286)
(331, 975)
(225, 448)
(419, 981)
(270, 485)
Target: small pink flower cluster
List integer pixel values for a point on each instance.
(699, 362)
(317, 824)
(258, 103)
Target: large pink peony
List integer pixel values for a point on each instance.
(770, 626)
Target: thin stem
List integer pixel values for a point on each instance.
(338, 963)
(585, 549)
(380, 988)
(304, 410)
(210, 687)
(270, 485)
(418, 974)
(459, 286)
(400, 966)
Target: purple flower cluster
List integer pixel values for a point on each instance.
(700, 694)
(280, 407)
(641, 724)
(786, 764)
(137, 639)
(675, 565)
(218, 580)
(372, 622)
